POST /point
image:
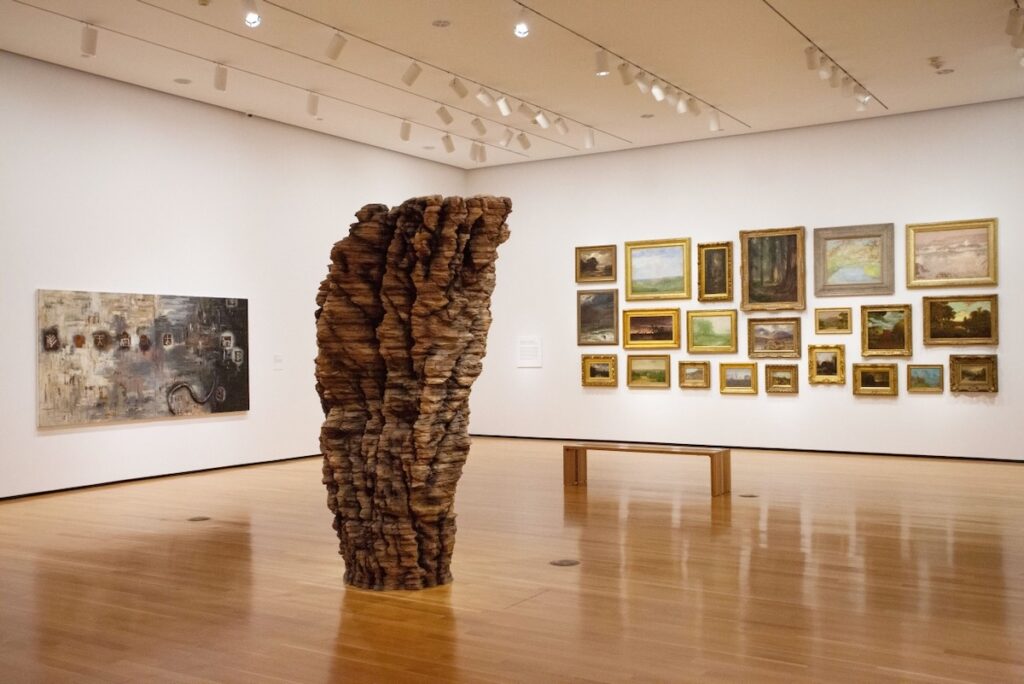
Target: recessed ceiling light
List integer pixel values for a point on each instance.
(183, 81)
(440, 23)
(646, 116)
(943, 72)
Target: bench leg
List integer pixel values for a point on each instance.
(721, 473)
(574, 467)
(727, 472)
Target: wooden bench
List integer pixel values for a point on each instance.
(574, 460)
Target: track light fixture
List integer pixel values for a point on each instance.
(506, 138)
(220, 77)
(526, 111)
(1015, 22)
(481, 153)
(335, 46)
(444, 115)
(862, 106)
(847, 86)
(252, 16)
(588, 138)
(412, 72)
(458, 87)
(313, 104)
(824, 68)
(561, 126)
(835, 77)
(714, 122)
(485, 98)
(405, 132)
(682, 105)
(601, 66)
(643, 82)
(524, 140)
(90, 39)
(503, 106)
(692, 106)
(861, 94)
(449, 144)
(542, 120)
(522, 27)
(672, 97)
(658, 91)
(811, 54)
(625, 73)
(478, 126)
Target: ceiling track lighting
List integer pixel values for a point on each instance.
(458, 87)
(811, 54)
(484, 97)
(714, 121)
(90, 40)
(626, 73)
(313, 105)
(561, 126)
(522, 27)
(503, 106)
(526, 111)
(449, 144)
(692, 106)
(643, 82)
(220, 77)
(835, 77)
(405, 132)
(861, 93)
(542, 120)
(672, 97)
(601, 63)
(335, 46)
(477, 152)
(506, 138)
(862, 106)
(524, 140)
(478, 126)
(658, 91)
(412, 72)
(824, 68)
(444, 115)
(252, 16)
(588, 138)
(681, 105)
(1015, 22)
(847, 86)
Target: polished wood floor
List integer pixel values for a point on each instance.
(838, 568)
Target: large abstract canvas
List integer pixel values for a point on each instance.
(110, 356)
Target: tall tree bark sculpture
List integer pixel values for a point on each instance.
(402, 330)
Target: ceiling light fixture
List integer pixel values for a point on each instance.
(458, 87)
(601, 59)
(811, 55)
(220, 77)
(542, 120)
(672, 97)
(90, 39)
(824, 70)
(252, 13)
(847, 86)
(1015, 22)
(862, 106)
(625, 73)
(503, 106)
(835, 77)
(335, 46)
(313, 104)
(524, 140)
(525, 110)
(643, 82)
(405, 132)
(681, 106)
(522, 27)
(658, 91)
(449, 144)
(861, 94)
(506, 138)
(561, 126)
(692, 106)
(478, 126)
(485, 98)
(412, 72)
(444, 115)
(714, 122)
(588, 138)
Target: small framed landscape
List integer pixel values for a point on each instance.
(711, 332)
(961, 320)
(597, 317)
(737, 378)
(650, 329)
(973, 373)
(658, 269)
(833, 321)
(772, 269)
(694, 374)
(875, 379)
(854, 260)
(781, 378)
(952, 254)
(777, 338)
(826, 364)
(925, 379)
(596, 264)
(649, 371)
(600, 370)
(886, 330)
(714, 272)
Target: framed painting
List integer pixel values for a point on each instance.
(833, 321)
(974, 373)
(597, 317)
(714, 272)
(772, 269)
(648, 371)
(773, 338)
(711, 332)
(600, 370)
(925, 378)
(694, 374)
(826, 364)
(781, 378)
(886, 330)
(595, 264)
(854, 260)
(650, 329)
(875, 379)
(961, 320)
(658, 269)
(737, 378)
(952, 254)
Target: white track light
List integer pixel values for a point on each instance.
(412, 72)
(220, 77)
(478, 152)
(862, 106)
(601, 66)
(313, 104)
(444, 115)
(522, 27)
(525, 110)
(643, 82)
(503, 106)
(405, 132)
(861, 94)
(824, 70)
(561, 126)
(485, 98)
(458, 87)
(692, 106)
(847, 86)
(506, 138)
(811, 55)
(524, 141)
(625, 73)
(835, 77)
(449, 144)
(658, 91)
(472, 150)
(1015, 22)
(90, 39)
(588, 138)
(682, 106)
(714, 122)
(252, 16)
(542, 120)
(336, 45)
(672, 97)
(478, 126)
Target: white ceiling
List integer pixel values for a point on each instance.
(745, 57)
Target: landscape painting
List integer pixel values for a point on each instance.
(658, 269)
(600, 370)
(974, 373)
(875, 379)
(836, 321)
(595, 264)
(781, 379)
(694, 374)
(597, 317)
(924, 378)
(772, 267)
(737, 378)
(886, 330)
(826, 364)
(854, 260)
(712, 331)
(773, 338)
(648, 371)
(952, 253)
(961, 320)
(107, 356)
(651, 329)
(714, 272)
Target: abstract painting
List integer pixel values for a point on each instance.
(597, 317)
(772, 266)
(107, 356)
(953, 253)
(658, 269)
(854, 260)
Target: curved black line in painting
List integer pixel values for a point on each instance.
(188, 387)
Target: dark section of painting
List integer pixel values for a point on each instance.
(773, 269)
(949, 323)
(715, 280)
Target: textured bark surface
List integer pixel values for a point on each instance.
(402, 330)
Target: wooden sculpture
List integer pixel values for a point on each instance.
(402, 330)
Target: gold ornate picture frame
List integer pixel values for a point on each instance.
(836, 320)
(772, 269)
(694, 374)
(953, 253)
(712, 331)
(658, 269)
(781, 378)
(925, 378)
(886, 330)
(737, 378)
(714, 272)
(648, 371)
(650, 329)
(964, 319)
(974, 373)
(600, 370)
(773, 338)
(875, 379)
(826, 364)
(596, 264)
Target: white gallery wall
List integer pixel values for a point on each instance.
(961, 163)
(110, 187)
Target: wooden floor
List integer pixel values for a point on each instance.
(839, 568)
